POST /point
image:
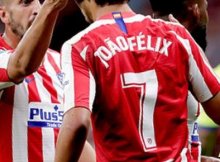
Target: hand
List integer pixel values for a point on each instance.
(172, 19)
(57, 4)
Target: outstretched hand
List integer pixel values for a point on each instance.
(57, 4)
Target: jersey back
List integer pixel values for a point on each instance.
(135, 84)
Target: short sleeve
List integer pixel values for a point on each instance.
(79, 90)
(205, 84)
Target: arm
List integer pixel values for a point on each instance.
(209, 159)
(72, 135)
(212, 108)
(31, 49)
(88, 154)
(203, 81)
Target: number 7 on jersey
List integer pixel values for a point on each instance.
(148, 83)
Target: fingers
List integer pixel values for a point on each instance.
(172, 19)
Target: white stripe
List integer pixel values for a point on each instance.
(48, 141)
(5, 85)
(170, 160)
(92, 86)
(55, 81)
(207, 64)
(199, 85)
(69, 100)
(183, 155)
(4, 59)
(19, 125)
(83, 53)
(92, 90)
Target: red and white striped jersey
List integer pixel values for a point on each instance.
(30, 112)
(136, 85)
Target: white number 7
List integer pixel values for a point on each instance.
(147, 82)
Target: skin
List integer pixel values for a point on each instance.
(16, 22)
(198, 29)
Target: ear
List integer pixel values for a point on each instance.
(193, 16)
(196, 11)
(3, 15)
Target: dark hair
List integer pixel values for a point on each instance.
(106, 2)
(176, 7)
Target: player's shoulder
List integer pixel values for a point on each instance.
(166, 26)
(167, 23)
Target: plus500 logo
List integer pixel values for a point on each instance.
(40, 114)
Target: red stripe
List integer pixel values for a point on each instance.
(56, 131)
(35, 151)
(81, 82)
(48, 84)
(6, 111)
(32, 89)
(53, 63)
(4, 75)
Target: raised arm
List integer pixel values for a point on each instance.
(30, 51)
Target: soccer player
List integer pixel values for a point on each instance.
(194, 16)
(30, 103)
(131, 74)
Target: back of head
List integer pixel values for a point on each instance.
(177, 7)
(106, 2)
(187, 14)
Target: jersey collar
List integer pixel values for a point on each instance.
(124, 15)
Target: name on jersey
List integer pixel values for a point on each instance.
(136, 43)
(45, 115)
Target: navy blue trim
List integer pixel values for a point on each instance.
(119, 20)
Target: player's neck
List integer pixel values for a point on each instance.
(10, 39)
(111, 8)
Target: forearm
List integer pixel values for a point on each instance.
(70, 146)
(209, 159)
(88, 154)
(72, 136)
(30, 51)
(212, 108)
